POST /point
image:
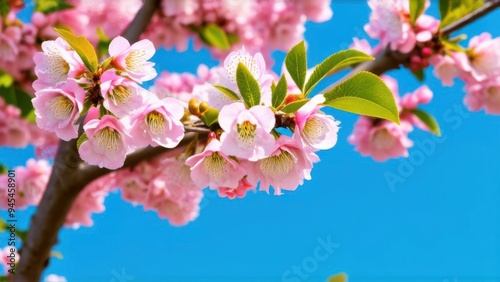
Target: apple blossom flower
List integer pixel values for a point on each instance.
(381, 139)
(317, 130)
(56, 64)
(247, 132)
(57, 109)
(133, 59)
(214, 169)
(158, 123)
(285, 168)
(121, 95)
(484, 95)
(108, 143)
(445, 69)
(240, 191)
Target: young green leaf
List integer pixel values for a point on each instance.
(215, 36)
(428, 120)
(82, 47)
(228, 92)
(248, 86)
(6, 79)
(51, 6)
(293, 107)
(81, 139)
(210, 116)
(279, 93)
(419, 74)
(417, 7)
(3, 170)
(9, 95)
(333, 63)
(24, 102)
(4, 8)
(452, 10)
(338, 278)
(364, 94)
(296, 64)
(87, 103)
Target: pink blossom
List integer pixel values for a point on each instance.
(363, 45)
(381, 139)
(213, 168)
(9, 257)
(9, 39)
(158, 123)
(172, 193)
(56, 64)
(55, 278)
(445, 69)
(121, 95)
(316, 10)
(247, 132)
(133, 59)
(240, 191)
(484, 95)
(134, 185)
(107, 144)
(285, 168)
(317, 130)
(90, 200)
(57, 109)
(483, 60)
(422, 95)
(14, 130)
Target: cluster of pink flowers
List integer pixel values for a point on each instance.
(248, 149)
(479, 67)
(125, 108)
(260, 25)
(390, 23)
(31, 182)
(383, 139)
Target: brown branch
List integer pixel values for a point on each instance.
(387, 59)
(69, 177)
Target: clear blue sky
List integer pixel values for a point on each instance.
(441, 224)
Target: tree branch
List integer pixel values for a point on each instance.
(69, 177)
(388, 59)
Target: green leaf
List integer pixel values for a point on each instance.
(215, 36)
(22, 234)
(87, 104)
(428, 120)
(419, 74)
(6, 80)
(296, 64)
(82, 47)
(9, 95)
(103, 111)
(210, 116)
(24, 103)
(452, 45)
(338, 278)
(51, 6)
(3, 225)
(3, 170)
(364, 94)
(103, 44)
(4, 8)
(81, 139)
(293, 107)
(279, 92)
(333, 63)
(56, 254)
(228, 92)
(417, 7)
(248, 86)
(452, 10)
(4, 278)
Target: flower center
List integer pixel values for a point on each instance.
(246, 132)
(108, 138)
(494, 95)
(383, 140)
(135, 60)
(215, 166)
(120, 94)
(156, 122)
(278, 164)
(314, 128)
(61, 107)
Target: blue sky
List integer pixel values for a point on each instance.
(440, 222)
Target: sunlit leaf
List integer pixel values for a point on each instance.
(296, 64)
(82, 47)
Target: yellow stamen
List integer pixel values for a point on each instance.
(278, 165)
(156, 122)
(215, 166)
(246, 132)
(108, 138)
(61, 107)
